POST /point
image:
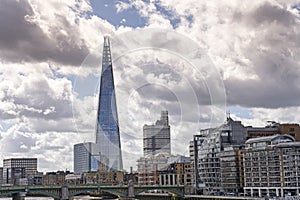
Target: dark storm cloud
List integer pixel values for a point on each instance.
(277, 85)
(274, 55)
(21, 40)
(268, 13)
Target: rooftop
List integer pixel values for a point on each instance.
(269, 138)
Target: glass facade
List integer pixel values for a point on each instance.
(107, 134)
(82, 157)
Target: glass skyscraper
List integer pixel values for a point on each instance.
(83, 158)
(105, 154)
(107, 133)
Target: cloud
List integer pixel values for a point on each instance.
(34, 93)
(254, 48)
(254, 45)
(23, 39)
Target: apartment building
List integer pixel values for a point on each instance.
(272, 166)
(274, 128)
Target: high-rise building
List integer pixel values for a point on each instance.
(231, 169)
(15, 169)
(85, 157)
(193, 150)
(1, 175)
(207, 147)
(107, 133)
(105, 154)
(157, 136)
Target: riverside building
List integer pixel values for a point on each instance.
(272, 166)
(206, 149)
(16, 170)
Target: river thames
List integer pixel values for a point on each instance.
(50, 198)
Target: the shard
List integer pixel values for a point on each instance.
(107, 131)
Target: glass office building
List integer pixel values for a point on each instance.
(83, 157)
(107, 133)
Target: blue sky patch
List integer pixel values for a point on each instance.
(106, 9)
(240, 112)
(169, 14)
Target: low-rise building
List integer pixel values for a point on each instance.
(150, 167)
(103, 177)
(73, 179)
(131, 177)
(35, 178)
(178, 173)
(55, 178)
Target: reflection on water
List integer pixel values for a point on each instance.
(31, 198)
(86, 197)
(49, 198)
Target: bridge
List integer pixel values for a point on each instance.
(69, 191)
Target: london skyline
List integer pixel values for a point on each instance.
(46, 85)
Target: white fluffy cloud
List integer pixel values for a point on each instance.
(50, 48)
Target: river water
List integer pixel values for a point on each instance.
(50, 198)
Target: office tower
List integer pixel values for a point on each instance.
(107, 133)
(15, 169)
(85, 157)
(157, 136)
(105, 154)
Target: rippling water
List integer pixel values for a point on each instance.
(49, 198)
(31, 198)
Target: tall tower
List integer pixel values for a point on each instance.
(156, 137)
(107, 131)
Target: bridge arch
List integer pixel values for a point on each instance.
(115, 192)
(173, 191)
(82, 191)
(85, 191)
(7, 194)
(44, 193)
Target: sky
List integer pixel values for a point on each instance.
(200, 60)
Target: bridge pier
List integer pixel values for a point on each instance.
(131, 189)
(19, 196)
(64, 193)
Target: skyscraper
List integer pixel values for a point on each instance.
(157, 136)
(85, 157)
(106, 152)
(107, 133)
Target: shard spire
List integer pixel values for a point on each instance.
(107, 131)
